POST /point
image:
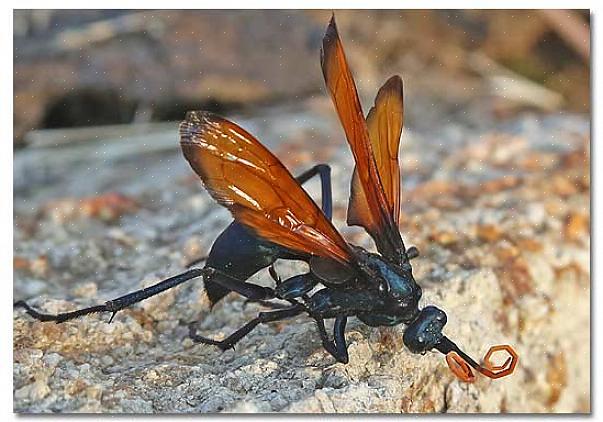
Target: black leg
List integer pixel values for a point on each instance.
(324, 171)
(337, 348)
(248, 290)
(262, 317)
(251, 291)
(274, 275)
(118, 304)
(339, 337)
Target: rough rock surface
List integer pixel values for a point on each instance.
(500, 213)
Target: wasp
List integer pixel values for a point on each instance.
(274, 218)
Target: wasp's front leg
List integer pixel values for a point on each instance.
(339, 304)
(298, 287)
(336, 347)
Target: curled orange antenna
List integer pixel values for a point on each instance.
(459, 367)
(499, 371)
(460, 363)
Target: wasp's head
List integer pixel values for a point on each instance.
(425, 332)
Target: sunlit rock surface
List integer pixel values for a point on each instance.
(499, 211)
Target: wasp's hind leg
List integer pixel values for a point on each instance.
(263, 317)
(296, 287)
(115, 305)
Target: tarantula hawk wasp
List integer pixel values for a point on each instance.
(274, 218)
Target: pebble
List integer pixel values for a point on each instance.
(107, 360)
(39, 389)
(52, 359)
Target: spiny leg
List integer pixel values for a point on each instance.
(262, 317)
(277, 279)
(297, 286)
(291, 289)
(114, 305)
(339, 336)
(62, 317)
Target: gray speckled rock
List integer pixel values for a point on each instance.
(504, 242)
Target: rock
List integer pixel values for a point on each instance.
(492, 257)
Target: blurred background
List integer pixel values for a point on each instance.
(495, 167)
(90, 68)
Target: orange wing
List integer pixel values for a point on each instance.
(377, 218)
(384, 123)
(242, 175)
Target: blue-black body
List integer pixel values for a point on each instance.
(377, 292)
